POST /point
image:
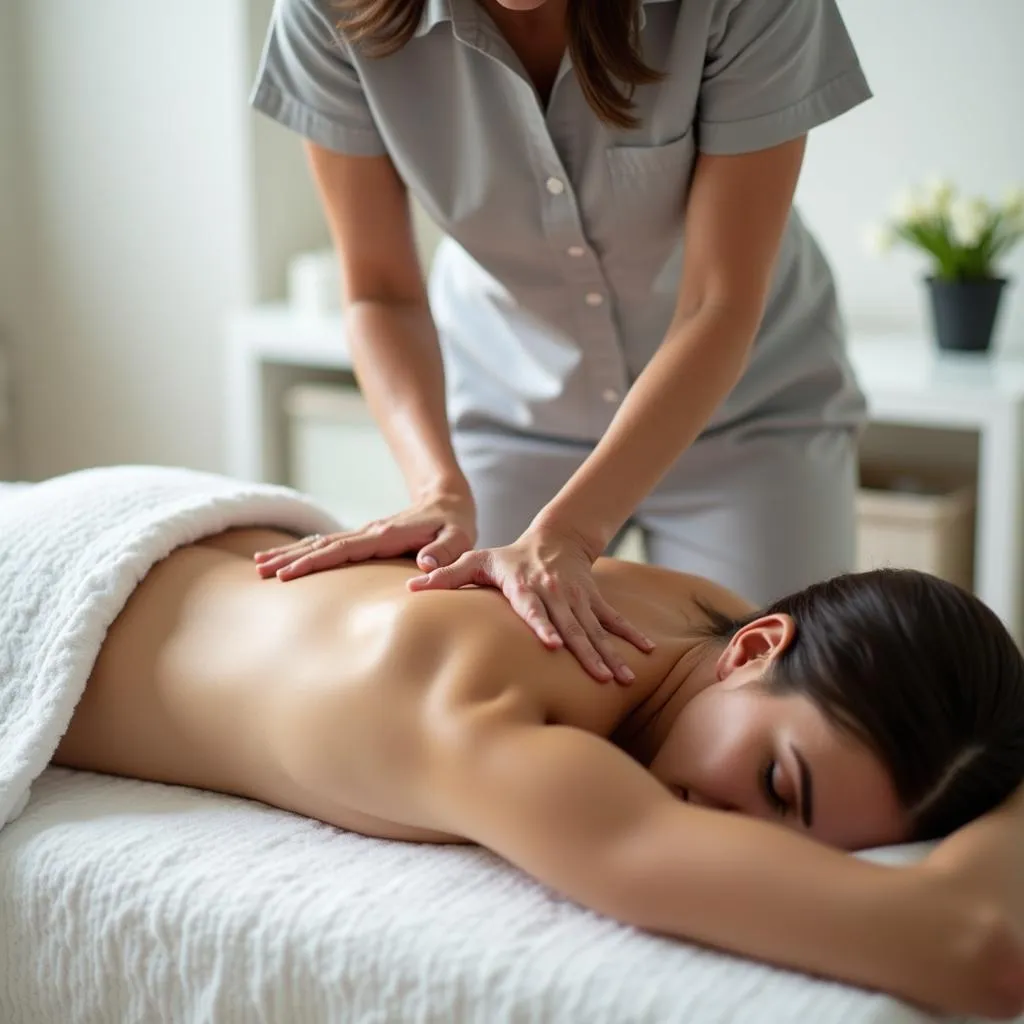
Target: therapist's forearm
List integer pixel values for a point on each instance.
(397, 361)
(668, 406)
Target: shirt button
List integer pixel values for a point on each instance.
(555, 186)
(576, 251)
(594, 298)
(610, 395)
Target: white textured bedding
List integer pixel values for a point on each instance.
(126, 902)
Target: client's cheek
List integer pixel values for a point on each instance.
(724, 778)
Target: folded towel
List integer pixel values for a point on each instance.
(72, 550)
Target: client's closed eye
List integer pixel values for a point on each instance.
(778, 804)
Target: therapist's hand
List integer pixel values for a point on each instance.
(547, 577)
(437, 530)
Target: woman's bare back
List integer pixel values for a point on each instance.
(284, 692)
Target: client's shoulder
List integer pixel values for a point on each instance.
(668, 588)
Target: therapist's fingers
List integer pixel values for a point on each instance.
(315, 554)
(566, 620)
(271, 553)
(450, 544)
(531, 609)
(473, 567)
(601, 640)
(276, 559)
(330, 555)
(618, 624)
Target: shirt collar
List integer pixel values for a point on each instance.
(434, 12)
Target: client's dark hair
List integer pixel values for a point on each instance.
(922, 672)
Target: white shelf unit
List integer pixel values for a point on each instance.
(907, 382)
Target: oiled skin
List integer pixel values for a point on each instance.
(214, 678)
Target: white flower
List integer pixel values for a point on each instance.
(1013, 207)
(1014, 204)
(909, 208)
(879, 239)
(968, 219)
(939, 194)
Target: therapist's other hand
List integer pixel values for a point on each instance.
(438, 529)
(547, 577)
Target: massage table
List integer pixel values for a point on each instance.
(128, 902)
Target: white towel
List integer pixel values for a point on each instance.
(72, 550)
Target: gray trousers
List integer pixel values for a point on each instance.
(762, 512)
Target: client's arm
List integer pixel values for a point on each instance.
(577, 814)
(987, 856)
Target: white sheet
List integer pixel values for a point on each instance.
(125, 901)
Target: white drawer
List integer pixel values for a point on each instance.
(337, 455)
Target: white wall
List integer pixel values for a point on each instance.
(13, 241)
(286, 212)
(948, 78)
(11, 167)
(140, 221)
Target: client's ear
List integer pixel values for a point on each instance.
(756, 644)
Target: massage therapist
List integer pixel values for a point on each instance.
(636, 326)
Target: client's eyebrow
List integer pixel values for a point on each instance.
(806, 788)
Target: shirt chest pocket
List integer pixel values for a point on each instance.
(648, 186)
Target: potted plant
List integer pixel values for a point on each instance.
(964, 238)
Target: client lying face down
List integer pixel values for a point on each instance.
(909, 689)
(867, 710)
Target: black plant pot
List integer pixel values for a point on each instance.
(964, 312)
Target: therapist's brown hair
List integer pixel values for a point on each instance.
(603, 45)
(920, 671)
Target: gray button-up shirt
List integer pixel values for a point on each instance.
(559, 275)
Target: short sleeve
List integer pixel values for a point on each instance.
(307, 82)
(774, 70)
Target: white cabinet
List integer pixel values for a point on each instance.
(337, 454)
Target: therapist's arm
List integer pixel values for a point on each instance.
(388, 325)
(735, 217)
(396, 355)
